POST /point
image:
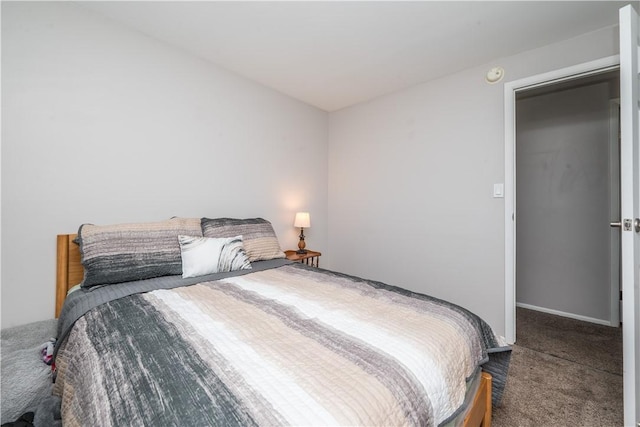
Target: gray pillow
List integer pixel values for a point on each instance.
(259, 239)
(125, 252)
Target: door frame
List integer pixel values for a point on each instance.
(510, 90)
(615, 213)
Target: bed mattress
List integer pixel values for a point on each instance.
(281, 344)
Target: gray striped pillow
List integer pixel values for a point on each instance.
(125, 252)
(206, 255)
(260, 241)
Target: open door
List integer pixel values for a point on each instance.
(630, 210)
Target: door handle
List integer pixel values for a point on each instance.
(627, 225)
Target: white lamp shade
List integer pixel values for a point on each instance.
(303, 220)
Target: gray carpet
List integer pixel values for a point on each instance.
(563, 372)
(26, 380)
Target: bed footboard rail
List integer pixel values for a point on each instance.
(480, 413)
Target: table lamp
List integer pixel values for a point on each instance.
(303, 221)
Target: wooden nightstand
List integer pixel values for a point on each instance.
(311, 258)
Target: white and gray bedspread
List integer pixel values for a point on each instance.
(288, 345)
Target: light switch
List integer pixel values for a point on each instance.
(498, 191)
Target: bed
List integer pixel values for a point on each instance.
(275, 343)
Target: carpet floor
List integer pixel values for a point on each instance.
(563, 372)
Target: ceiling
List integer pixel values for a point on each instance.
(333, 54)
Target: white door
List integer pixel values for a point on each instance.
(630, 209)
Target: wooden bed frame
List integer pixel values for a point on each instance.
(69, 268)
(70, 273)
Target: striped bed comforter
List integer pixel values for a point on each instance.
(283, 346)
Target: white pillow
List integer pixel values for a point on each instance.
(206, 255)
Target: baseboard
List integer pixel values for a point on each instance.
(563, 314)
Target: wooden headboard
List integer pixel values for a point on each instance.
(69, 269)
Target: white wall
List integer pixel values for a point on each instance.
(411, 176)
(104, 125)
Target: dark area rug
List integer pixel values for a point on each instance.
(563, 372)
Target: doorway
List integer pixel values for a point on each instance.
(627, 63)
(567, 194)
(596, 67)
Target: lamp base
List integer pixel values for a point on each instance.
(301, 244)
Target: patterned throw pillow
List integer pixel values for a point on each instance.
(260, 241)
(206, 255)
(125, 252)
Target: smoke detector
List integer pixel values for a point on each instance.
(494, 75)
